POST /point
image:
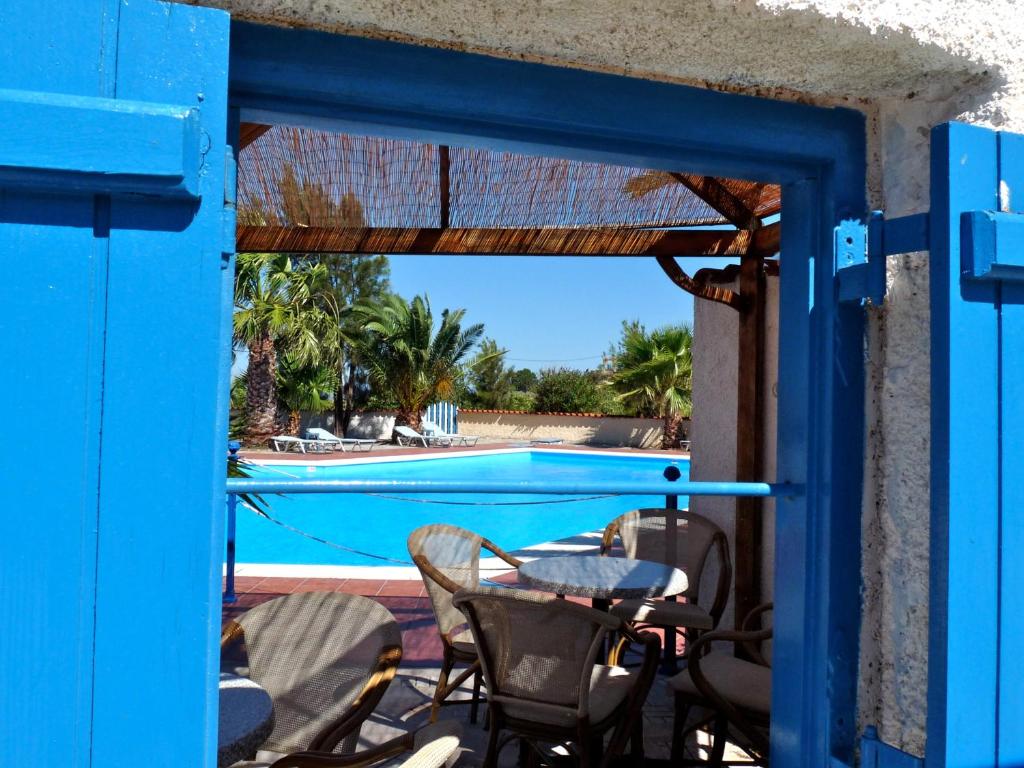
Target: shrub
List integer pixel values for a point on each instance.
(567, 391)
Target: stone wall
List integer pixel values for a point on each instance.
(582, 429)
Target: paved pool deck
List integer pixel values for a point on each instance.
(485, 445)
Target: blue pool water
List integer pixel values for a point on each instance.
(378, 525)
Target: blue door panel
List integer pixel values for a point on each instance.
(965, 462)
(51, 339)
(165, 346)
(976, 676)
(1011, 524)
(114, 331)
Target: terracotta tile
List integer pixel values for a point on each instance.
(401, 588)
(366, 587)
(323, 585)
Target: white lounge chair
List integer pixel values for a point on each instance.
(409, 436)
(285, 443)
(340, 443)
(433, 430)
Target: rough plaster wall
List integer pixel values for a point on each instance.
(908, 64)
(713, 428)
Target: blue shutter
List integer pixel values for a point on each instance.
(976, 677)
(113, 338)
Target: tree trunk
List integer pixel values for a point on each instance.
(670, 431)
(408, 418)
(261, 393)
(350, 394)
(294, 421)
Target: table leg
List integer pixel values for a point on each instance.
(603, 604)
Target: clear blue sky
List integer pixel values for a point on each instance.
(550, 311)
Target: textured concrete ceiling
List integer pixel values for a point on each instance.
(822, 48)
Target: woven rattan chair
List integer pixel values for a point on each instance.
(449, 560)
(686, 541)
(737, 693)
(434, 746)
(539, 658)
(325, 659)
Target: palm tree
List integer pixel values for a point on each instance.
(280, 308)
(406, 360)
(304, 388)
(652, 375)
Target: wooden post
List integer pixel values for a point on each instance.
(749, 433)
(444, 183)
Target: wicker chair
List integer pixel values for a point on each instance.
(684, 540)
(448, 558)
(325, 659)
(738, 693)
(434, 746)
(538, 655)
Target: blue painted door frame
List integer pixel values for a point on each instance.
(818, 155)
(976, 641)
(113, 334)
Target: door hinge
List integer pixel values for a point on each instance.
(861, 250)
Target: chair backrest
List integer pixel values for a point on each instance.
(679, 538)
(448, 558)
(430, 428)
(318, 433)
(314, 653)
(535, 649)
(407, 431)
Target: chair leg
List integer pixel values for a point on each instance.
(636, 740)
(668, 661)
(721, 729)
(682, 711)
(447, 663)
(475, 704)
(491, 756)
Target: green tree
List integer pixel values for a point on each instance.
(652, 373)
(353, 278)
(523, 380)
(490, 381)
(280, 308)
(406, 359)
(304, 388)
(565, 390)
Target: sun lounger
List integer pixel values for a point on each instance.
(409, 436)
(342, 444)
(285, 443)
(546, 441)
(432, 430)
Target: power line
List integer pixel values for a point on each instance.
(552, 360)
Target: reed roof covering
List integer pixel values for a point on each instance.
(308, 190)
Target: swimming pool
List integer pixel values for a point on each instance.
(362, 525)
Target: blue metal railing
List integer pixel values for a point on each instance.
(666, 486)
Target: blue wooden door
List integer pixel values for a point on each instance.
(976, 654)
(114, 332)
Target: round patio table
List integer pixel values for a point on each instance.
(602, 579)
(246, 719)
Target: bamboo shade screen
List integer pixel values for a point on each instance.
(309, 178)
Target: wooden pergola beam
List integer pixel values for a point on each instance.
(249, 132)
(717, 195)
(547, 241)
(444, 184)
